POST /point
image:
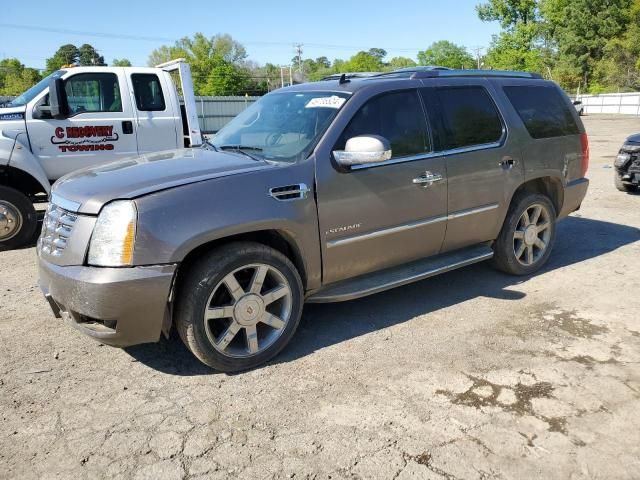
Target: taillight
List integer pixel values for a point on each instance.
(585, 154)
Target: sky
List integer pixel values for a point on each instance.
(32, 30)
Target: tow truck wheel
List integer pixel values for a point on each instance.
(238, 306)
(623, 187)
(18, 220)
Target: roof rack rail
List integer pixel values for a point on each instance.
(348, 75)
(418, 73)
(474, 73)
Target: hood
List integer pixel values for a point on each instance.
(87, 190)
(635, 138)
(12, 121)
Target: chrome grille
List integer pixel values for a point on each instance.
(56, 230)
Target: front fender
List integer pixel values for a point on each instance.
(22, 159)
(6, 148)
(174, 222)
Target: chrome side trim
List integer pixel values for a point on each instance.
(472, 211)
(64, 203)
(408, 226)
(385, 231)
(426, 156)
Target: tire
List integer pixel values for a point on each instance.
(18, 219)
(509, 243)
(623, 187)
(246, 329)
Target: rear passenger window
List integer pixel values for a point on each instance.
(396, 116)
(543, 110)
(466, 117)
(148, 93)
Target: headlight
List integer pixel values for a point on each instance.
(622, 159)
(114, 235)
(630, 148)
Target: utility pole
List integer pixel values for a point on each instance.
(298, 50)
(477, 51)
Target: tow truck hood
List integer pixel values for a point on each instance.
(87, 190)
(12, 121)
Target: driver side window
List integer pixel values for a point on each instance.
(396, 116)
(93, 92)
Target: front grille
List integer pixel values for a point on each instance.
(56, 230)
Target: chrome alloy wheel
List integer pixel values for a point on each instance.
(532, 234)
(248, 310)
(10, 220)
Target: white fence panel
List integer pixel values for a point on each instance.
(617, 103)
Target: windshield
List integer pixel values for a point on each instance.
(281, 126)
(30, 94)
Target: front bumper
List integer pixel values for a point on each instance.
(117, 306)
(574, 193)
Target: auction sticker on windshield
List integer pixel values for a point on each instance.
(326, 102)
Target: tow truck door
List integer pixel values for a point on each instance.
(155, 116)
(100, 128)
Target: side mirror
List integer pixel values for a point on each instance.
(58, 99)
(362, 150)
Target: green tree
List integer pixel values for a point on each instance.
(509, 13)
(363, 62)
(88, 56)
(446, 54)
(210, 58)
(65, 55)
(121, 62)
(401, 62)
(15, 78)
(581, 29)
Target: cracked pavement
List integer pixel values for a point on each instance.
(469, 375)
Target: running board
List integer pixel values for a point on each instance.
(397, 276)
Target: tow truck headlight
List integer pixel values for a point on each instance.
(114, 235)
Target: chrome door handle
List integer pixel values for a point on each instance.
(427, 179)
(507, 162)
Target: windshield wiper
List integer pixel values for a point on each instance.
(241, 149)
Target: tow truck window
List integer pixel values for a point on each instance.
(148, 93)
(93, 92)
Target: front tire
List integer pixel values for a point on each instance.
(18, 219)
(527, 236)
(623, 187)
(239, 306)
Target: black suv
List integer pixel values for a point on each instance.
(627, 165)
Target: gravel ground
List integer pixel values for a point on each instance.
(473, 374)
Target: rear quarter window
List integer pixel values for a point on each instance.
(543, 110)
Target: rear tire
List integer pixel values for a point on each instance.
(527, 236)
(18, 219)
(238, 306)
(623, 187)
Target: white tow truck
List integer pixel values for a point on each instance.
(83, 116)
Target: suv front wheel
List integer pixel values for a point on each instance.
(239, 306)
(527, 235)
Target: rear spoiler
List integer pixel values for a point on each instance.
(194, 134)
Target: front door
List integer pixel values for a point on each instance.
(100, 127)
(381, 215)
(483, 165)
(156, 122)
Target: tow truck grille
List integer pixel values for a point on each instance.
(56, 230)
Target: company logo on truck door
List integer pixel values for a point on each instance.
(84, 139)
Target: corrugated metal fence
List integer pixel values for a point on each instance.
(213, 112)
(623, 103)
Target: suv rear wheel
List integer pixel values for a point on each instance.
(620, 185)
(18, 220)
(239, 306)
(527, 235)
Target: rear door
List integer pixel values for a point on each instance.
(483, 166)
(155, 120)
(100, 127)
(378, 215)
